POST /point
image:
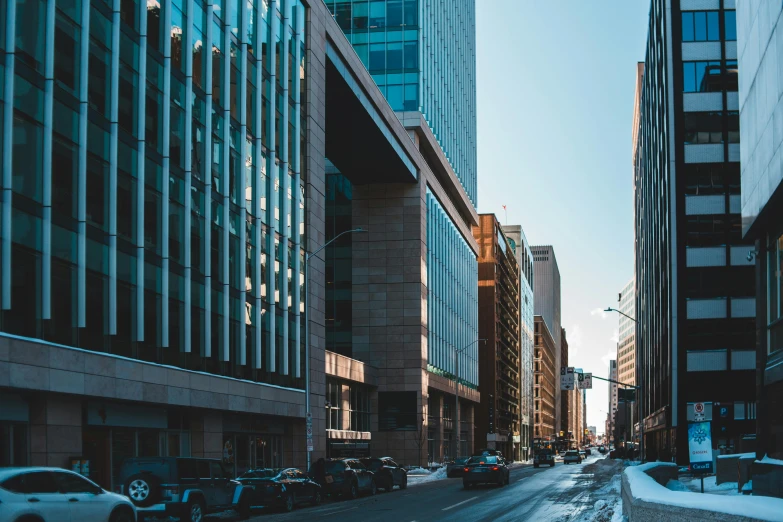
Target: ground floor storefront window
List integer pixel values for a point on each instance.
(14, 448)
(245, 451)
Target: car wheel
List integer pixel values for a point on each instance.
(404, 482)
(552, 465)
(373, 487)
(142, 489)
(354, 491)
(122, 515)
(194, 512)
(316, 498)
(243, 509)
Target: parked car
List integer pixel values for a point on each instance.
(544, 457)
(347, 477)
(187, 488)
(281, 488)
(485, 470)
(582, 454)
(387, 473)
(572, 456)
(602, 450)
(50, 494)
(455, 467)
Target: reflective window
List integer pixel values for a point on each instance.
(730, 20)
(702, 77)
(700, 26)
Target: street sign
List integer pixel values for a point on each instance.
(587, 381)
(700, 445)
(567, 378)
(309, 421)
(698, 408)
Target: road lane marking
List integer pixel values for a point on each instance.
(458, 504)
(521, 478)
(338, 511)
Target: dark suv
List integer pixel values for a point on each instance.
(387, 473)
(187, 488)
(347, 477)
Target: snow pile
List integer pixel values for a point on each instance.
(748, 486)
(768, 460)
(710, 486)
(418, 471)
(643, 487)
(737, 455)
(440, 474)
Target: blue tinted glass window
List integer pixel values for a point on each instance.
(377, 14)
(394, 13)
(360, 11)
(377, 57)
(687, 27)
(700, 26)
(411, 13)
(411, 55)
(713, 26)
(394, 56)
(688, 77)
(730, 18)
(394, 95)
(342, 13)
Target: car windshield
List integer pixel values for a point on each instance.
(483, 460)
(372, 464)
(335, 466)
(572, 454)
(461, 460)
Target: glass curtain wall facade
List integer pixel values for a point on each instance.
(452, 303)
(408, 48)
(152, 180)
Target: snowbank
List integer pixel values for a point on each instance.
(768, 460)
(737, 456)
(642, 487)
(693, 484)
(414, 480)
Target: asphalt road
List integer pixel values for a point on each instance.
(549, 494)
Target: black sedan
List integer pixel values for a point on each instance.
(455, 468)
(281, 488)
(347, 477)
(387, 473)
(485, 470)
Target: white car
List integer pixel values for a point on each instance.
(572, 456)
(58, 495)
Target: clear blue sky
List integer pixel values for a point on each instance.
(556, 82)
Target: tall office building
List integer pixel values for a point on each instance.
(695, 287)
(166, 166)
(519, 244)
(565, 396)
(546, 303)
(428, 79)
(762, 208)
(612, 400)
(497, 421)
(626, 346)
(544, 375)
(422, 55)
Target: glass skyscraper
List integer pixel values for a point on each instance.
(152, 193)
(422, 55)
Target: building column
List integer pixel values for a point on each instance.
(206, 439)
(439, 439)
(55, 431)
(470, 422)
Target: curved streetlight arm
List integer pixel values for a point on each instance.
(609, 309)
(335, 238)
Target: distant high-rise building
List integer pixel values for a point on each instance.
(612, 399)
(695, 297)
(546, 289)
(544, 375)
(762, 209)
(626, 347)
(516, 237)
(497, 421)
(566, 397)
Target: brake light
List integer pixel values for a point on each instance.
(495, 468)
(467, 469)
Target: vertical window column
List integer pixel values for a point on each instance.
(46, 222)
(225, 182)
(274, 28)
(81, 212)
(285, 184)
(188, 142)
(141, 173)
(8, 144)
(242, 181)
(297, 193)
(258, 166)
(113, 145)
(208, 182)
(165, 192)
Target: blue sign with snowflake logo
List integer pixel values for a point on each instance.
(700, 446)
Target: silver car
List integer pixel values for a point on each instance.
(572, 457)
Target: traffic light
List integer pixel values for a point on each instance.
(587, 432)
(562, 433)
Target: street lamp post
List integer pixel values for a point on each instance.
(456, 390)
(639, 387)
(308, 255)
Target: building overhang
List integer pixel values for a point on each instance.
(360, 141)
(433, 154)
(348, 369)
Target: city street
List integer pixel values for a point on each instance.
(560, 494)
